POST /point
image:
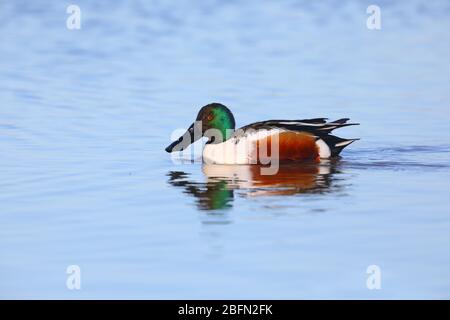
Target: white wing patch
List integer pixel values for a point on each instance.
(324, 149)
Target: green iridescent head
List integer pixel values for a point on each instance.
(213, 120)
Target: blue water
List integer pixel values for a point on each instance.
(85, 116)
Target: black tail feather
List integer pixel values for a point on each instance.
(337, 144)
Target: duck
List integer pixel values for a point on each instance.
(283, 140)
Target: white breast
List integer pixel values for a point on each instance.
(232, 151)
(236, 150)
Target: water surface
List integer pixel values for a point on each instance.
(85, 116)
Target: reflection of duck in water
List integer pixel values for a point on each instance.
(210, 195)
(222, 180)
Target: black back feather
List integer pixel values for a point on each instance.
(319, 127)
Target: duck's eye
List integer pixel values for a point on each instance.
(210, 117)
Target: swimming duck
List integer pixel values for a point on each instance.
(287, 140)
